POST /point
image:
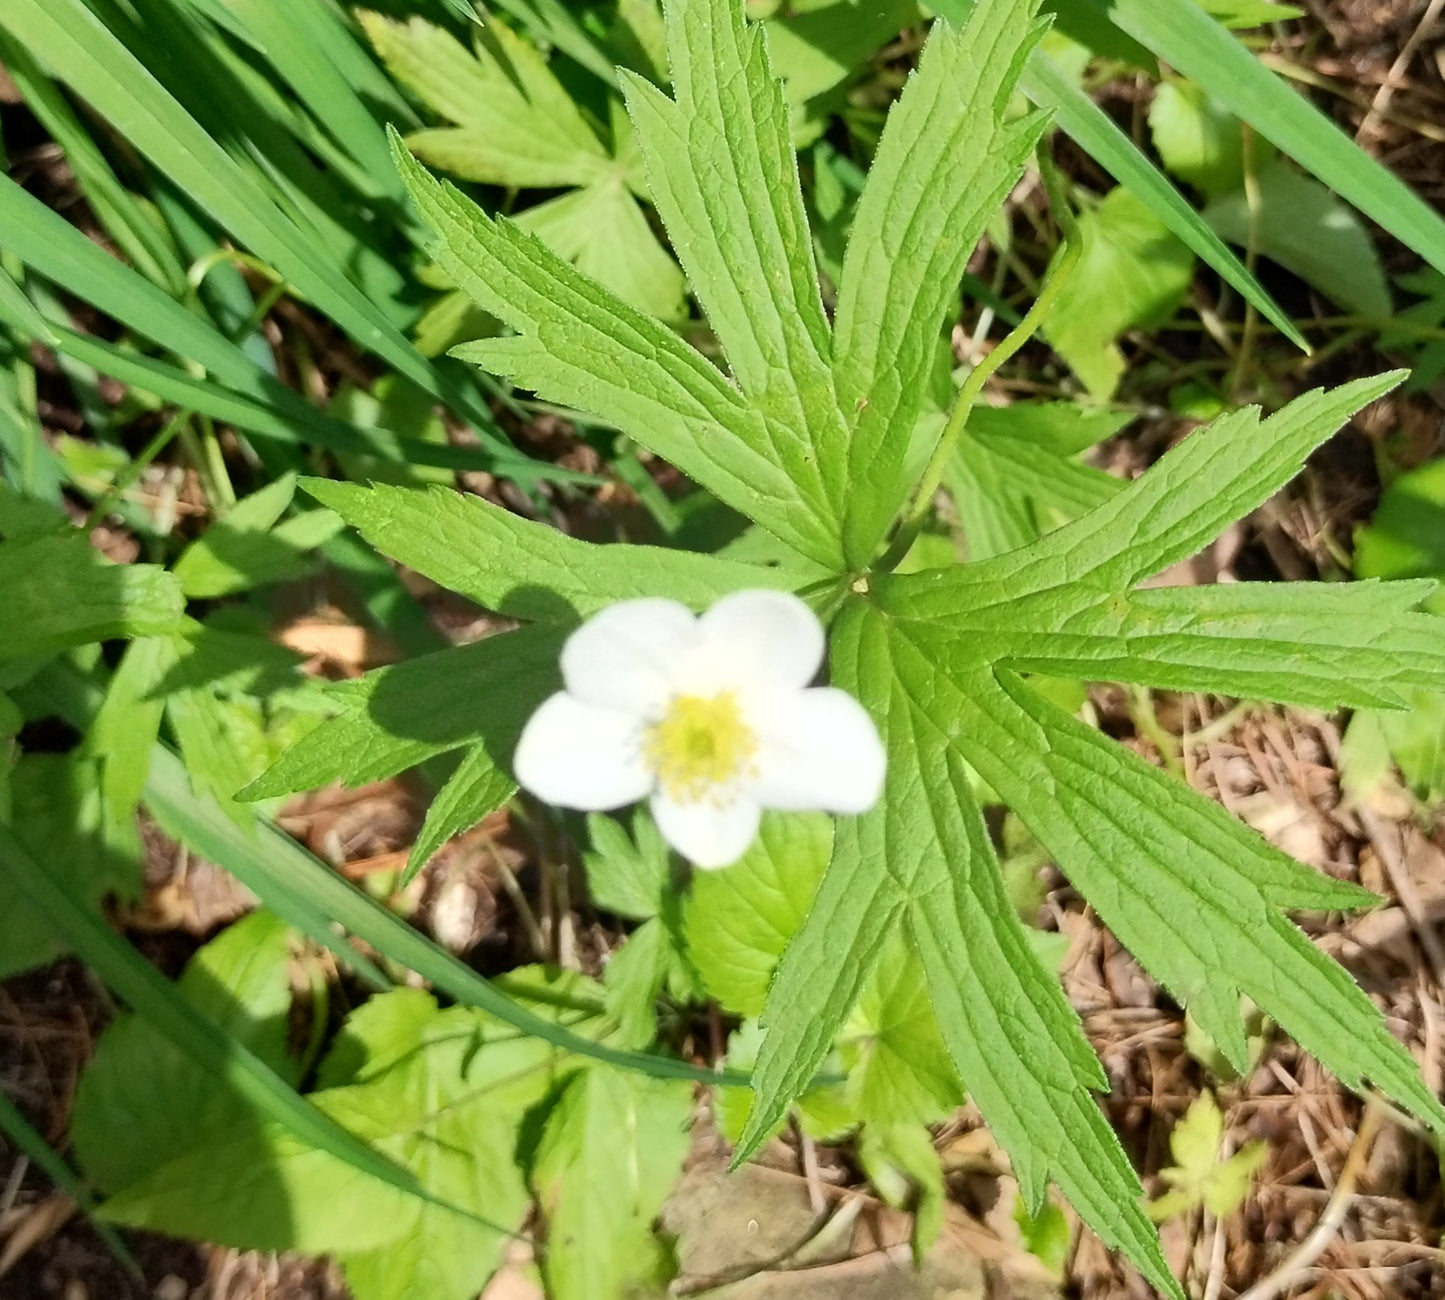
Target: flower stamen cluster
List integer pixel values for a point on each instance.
(710, 718)
(701, 745)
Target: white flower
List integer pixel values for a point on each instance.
(710, 716)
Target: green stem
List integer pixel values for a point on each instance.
(127, 476)
(1058, 275)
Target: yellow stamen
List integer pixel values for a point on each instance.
(700, 744)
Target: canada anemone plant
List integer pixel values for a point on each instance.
(810, 433)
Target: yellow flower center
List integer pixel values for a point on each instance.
(700, 744)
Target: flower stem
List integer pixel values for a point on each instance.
(1059, 274)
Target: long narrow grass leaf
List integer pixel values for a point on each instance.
(154, 997)
(1186, 37)
(200, 823)
(20, 1131)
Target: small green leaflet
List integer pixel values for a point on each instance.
(60, 593)
(1133, 272)
(137, 1082)
(739, 921)
(610, 1152)
(247, 548)
(1199, 1177)
(1014, 476)
(518, 127)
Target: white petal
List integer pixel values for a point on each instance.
(626, 656)
(817, 749)
(763, 639)
(579, 756)
(707, 834)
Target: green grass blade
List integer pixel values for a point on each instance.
(98, 66)
(151, 995)
(252, 398)
(1192, 42)
(1095, 132)
(19, 1130)
(134, 233)
(202, 824)
(294, 45)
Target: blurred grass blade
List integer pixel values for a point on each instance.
(1192, 42)
(155, 998)
(118, 211)
(280, 859)
(18, 1129)
(1094, 131)
(298, 47)
(94, 62)
(257, 400)
(201, 824)
(550, 22)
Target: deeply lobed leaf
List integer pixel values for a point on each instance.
(947, 158)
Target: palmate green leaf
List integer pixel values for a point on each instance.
(630, 875)
(723, 175)
(580, 347)
(442, 1093)
(946, 160)
(60, 593)
(610, 1151)
(1198, 1176)
(929, 656)
(517, 126)
(450, 1098)
(1096, 806)
(1015, 1041)
(527, 570)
